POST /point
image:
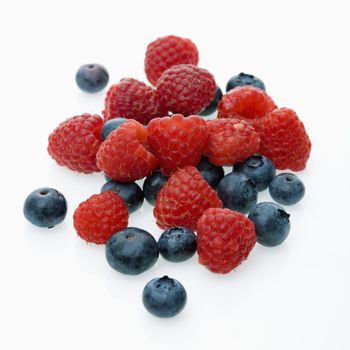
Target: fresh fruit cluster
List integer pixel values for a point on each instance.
(157, 134)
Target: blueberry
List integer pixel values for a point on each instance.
(107, 178)
(131, 193)
(111, 125)
(211, 108)
(271, 223)
(92, 77)
(45, 207)
(243, 79)
(132, 251)
(211, 173)
(238, 192)
(177, 244)
(259, 168)
(164, 297)
(287, 189)
(152, 186)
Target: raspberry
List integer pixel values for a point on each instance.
(166, 52)
(132, 99)
(75, 142)
(100, 216)
(186, 89)
(284, 140)
(225, 238)
(183, 199)
(245, 102)
(124, 155)
(177, 141)
(230, 141)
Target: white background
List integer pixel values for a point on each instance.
(59, 293)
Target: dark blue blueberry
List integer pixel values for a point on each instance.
(211, 108)
(107, 178)
(111, 125)
(177, 244)
(243, 79)
(131, 193)
(238, 192)
(271, 222)
(259, 168)
(92, 77)
(211, 173)
(132, 251)
(45, 207)
(164, 297)
(152, 186)
(287, 189)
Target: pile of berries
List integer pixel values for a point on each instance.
(157, 132)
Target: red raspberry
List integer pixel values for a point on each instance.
(100, 216)
(230, 141)
(183, 199)
(284, 140)
(245, 102)
(166, 52)
(75, 142)
(132, 99)
(124, 155)
(186, 89)
(225, 238)
(177, 141)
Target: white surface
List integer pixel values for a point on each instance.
(59, 293)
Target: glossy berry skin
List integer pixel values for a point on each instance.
(230, 141)
(100, 216)
(271, 223)
(133, 99)
(177, 141)
(185, 89)
(245, 102)
(238, 192)
(243, 79)
(284, 139)
(259, 168)
(213, 105)
(124, 156)
(166, 52)
(225, 239)
(75, 142)
(287, 189)
(92, 77)
(132, 251)
(130, 193)
(111, 125)
(164, 297)
(210, 172)
(45, 207)
(183, 199)
(152, 185)
(177, 244)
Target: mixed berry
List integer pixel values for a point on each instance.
(156, 134)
